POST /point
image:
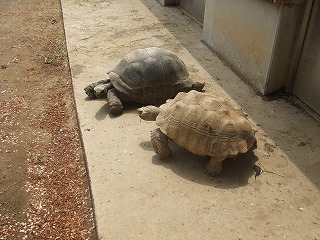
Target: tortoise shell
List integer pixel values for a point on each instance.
(149, 75)
(205, 125)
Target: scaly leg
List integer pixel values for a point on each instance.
(214, 166)
(160, 144)
(98, 89)
(114, 102)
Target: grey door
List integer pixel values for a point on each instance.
(307, 82)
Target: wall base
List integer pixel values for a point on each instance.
(168, 2)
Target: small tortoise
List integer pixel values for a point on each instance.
(203, 125)
(147, 76)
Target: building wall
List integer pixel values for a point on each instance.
(243, 33)
(254, 37)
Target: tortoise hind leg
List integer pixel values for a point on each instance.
(160, 144)
(214, 165)
(114, 102)
(98, 89)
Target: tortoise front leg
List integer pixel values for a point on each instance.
(98, 89)
(214, 166)
(114, 102)
(160, 144)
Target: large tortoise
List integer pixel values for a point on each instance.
(147, 76)
(202, 124)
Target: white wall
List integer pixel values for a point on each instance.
(243, 33)
(255, 37)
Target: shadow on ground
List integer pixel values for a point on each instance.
(236, 172)
(104, 110)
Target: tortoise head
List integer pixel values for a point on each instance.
(148, 113)
(189, 85)
(198, 86)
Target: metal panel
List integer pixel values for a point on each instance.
(285, 1)
(307, 83)
(195, 8)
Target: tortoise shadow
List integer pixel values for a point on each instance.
(236, 172)
(104, 111)
(87, 99)
(146, 145)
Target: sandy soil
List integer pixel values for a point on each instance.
(44, 192)
(136, 196)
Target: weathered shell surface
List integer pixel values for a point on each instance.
(205, 125)
(148, 74)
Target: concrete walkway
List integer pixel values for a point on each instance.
(136, 196)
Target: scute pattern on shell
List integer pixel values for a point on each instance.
(205, 125)
(143, 72)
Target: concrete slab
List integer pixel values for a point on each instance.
(136, 196)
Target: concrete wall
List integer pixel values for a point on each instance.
(254, 37)
(195, 8)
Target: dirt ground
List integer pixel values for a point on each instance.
(44, 191)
